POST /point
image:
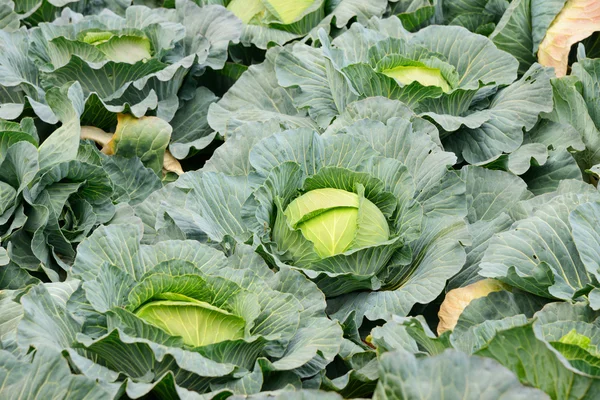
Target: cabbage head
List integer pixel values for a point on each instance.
(329, 219)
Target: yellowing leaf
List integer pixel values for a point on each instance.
(171, 164)
(458, 299)
(577, 20)
(107, 142)
(97, 135)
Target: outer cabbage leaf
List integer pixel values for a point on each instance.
(539, 254)
(547, 370)
(491, 195)
(485, 317)
(478, 16)
(414, 14)
(270, 101)
(451, 374)
(47, 373)
(523, 27)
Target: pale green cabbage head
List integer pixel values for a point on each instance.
(197, 322)
(336, 221)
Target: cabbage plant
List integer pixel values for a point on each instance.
(480, 378)
(53, 194)
(275, 21)
(359, 212)
(494, 330)
(18, 13)
(136, 63)
(563, 334)
(457, 79)
(180, 316)
(558, 263)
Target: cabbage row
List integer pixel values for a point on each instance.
(318, 199)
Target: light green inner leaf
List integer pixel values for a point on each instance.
(426, 76)
(288, 11)
(336, 220)
(96, 38)
(372, 225)
(197, 322)
(246, 10)
(317, 202)
(331, 232)
(580, 340)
